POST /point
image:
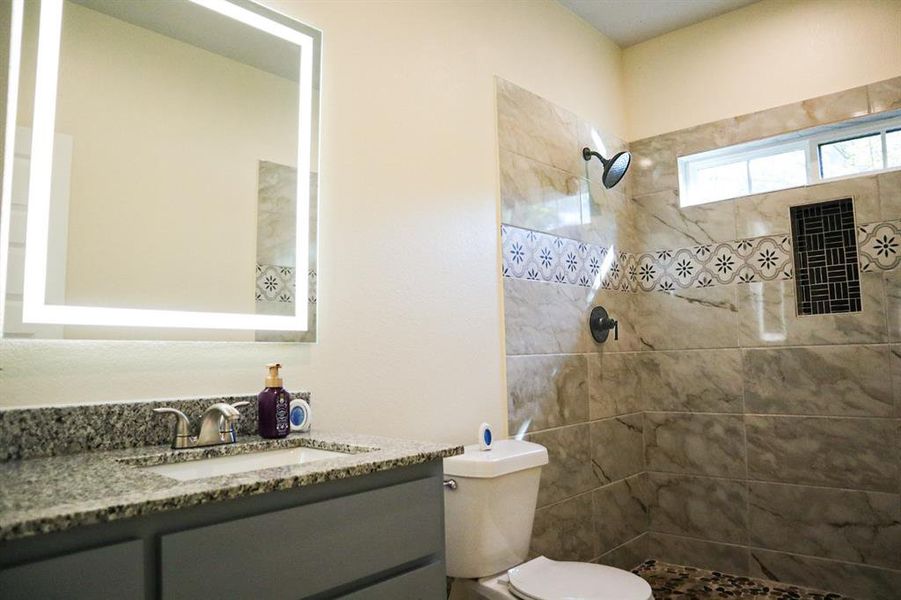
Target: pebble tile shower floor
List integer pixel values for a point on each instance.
(689, 583)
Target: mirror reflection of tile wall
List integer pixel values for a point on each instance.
(276, 263)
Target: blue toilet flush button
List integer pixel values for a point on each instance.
(485, 437)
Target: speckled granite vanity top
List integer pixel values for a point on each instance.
(43, 495)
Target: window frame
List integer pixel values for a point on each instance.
(810, 141)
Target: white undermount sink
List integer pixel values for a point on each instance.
(241, 463)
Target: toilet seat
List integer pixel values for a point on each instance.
(545, 579)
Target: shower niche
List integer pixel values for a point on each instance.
(827, 276)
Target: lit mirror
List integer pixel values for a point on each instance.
(160, 173)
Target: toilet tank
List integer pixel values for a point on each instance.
(488, 517)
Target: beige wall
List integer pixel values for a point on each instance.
(410, 316)
(769, 53)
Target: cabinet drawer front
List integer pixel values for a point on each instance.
(425, 583)
(115, 571)
(306, 550)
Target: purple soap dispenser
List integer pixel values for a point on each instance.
(274, 404)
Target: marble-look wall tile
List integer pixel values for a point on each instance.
(863, 527)
(825, 380)
(858, 581)
(701, 507)
(767, 316)
(895, 355)
(546, 391)
(628, 556)
(856, 453)
(660, 223)
(611, 392)
(682, 380)
(688, 318)
(617, 449)
(889, 195)
(885, 95)
(690, 443)
(529, 125)
(620, 511)
(831, 108)
(607, 218)
(654, 167)
(537, 196)
(549, 318)
(713, 556)
(893, 304)
(546, 318)
(564, 531)
(277, 188)
(568, 471)
(768, 214)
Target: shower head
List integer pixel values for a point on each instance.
(614, 168)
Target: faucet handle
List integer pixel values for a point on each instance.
(223, 409)
(240, 404)
(181, 435)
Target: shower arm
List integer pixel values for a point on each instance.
(587, 153)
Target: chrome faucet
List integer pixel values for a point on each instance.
(217, 425)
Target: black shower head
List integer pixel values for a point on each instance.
(614, 168)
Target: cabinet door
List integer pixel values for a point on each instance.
(309, 549)
(115, 571)
(425, 583)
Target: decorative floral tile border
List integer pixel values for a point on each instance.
(543, 257)
(275, 283)
(879, 246)
(538, 256)
(765, 258)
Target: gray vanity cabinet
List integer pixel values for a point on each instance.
(378, 536)
(314, 548)
(81, 575)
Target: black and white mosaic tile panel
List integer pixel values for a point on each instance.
(538, 256)
(689, 583)
(825, 253)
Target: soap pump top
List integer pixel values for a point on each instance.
(273, 380)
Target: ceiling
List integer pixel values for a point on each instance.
(628, 22)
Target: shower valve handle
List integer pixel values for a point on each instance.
(609, 324)
(600, 323)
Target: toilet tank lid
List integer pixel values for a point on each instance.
(505, 456)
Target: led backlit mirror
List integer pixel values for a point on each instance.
(160, 173)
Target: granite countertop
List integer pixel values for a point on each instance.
(43, 495)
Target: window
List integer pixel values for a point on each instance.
(893, 148)
(804, 158)
(847, 157)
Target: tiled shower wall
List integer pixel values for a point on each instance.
(772, 441)
(590, 504)
(721, 430)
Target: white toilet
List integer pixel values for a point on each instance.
(488, 520)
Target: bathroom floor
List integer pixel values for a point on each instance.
(689, 583)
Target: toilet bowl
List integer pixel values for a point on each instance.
(488, 519)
